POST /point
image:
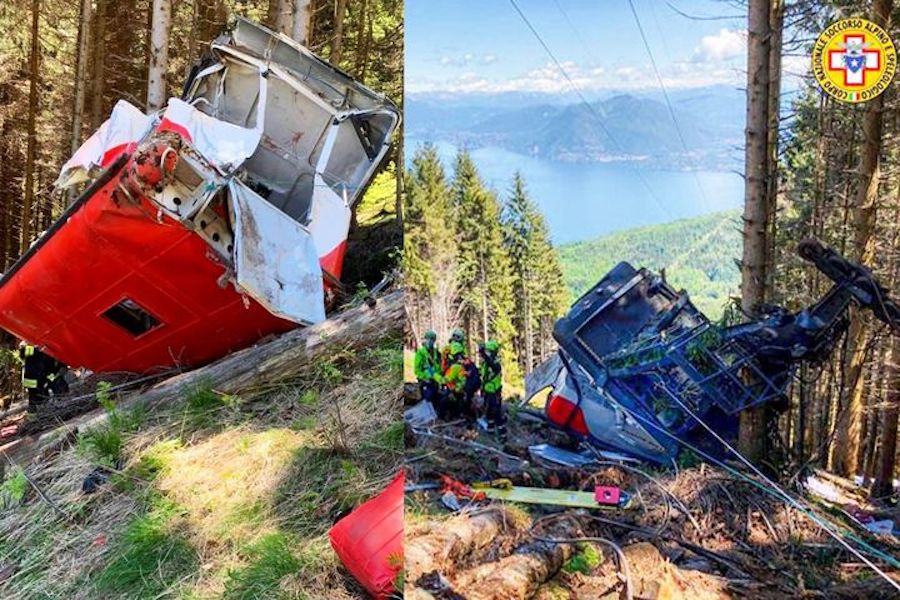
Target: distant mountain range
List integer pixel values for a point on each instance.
(699, 255)
(614, 127)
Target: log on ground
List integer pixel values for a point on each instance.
(439, 550)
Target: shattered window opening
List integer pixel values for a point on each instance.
(131, 317)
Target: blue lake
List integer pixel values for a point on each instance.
(584, 201)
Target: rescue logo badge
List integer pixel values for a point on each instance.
(854, 60)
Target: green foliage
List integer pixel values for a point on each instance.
(698, 255)
(390, 438)
(13, 488)
(483, 267)
(585, 560)
(470, 262)
(104, 444)
(327, 371)
(149, 555)
(428, 245)
(271, 559)
(201, 404)
(540, 295)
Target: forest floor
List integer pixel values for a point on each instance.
(219, 496)
(694, 533)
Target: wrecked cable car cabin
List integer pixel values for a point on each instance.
(210, 224)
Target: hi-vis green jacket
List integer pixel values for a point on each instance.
(427, 364)
(491, 375)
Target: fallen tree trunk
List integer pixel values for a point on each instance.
(438, 550)
(266, 363)
(517, 576)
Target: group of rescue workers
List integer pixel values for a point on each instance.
(451, 381)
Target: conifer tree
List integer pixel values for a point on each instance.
(539, 288)
(483, 266)
(429, 255)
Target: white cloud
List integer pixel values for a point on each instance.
(721, 47)
(549, 79)
(463, 60)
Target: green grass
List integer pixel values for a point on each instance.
(13, 488)
(104, 444)
(149, 557)
(202, 405)
(270, 558)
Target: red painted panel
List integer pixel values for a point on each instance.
(106, 252)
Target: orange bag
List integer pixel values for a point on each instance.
(369, 541)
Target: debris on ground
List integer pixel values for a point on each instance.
(697, 532)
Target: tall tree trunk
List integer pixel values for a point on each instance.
(98, 53)
(485, 321)
(31, 149)
(848, 442)
(753, 431)
(361, 40)
(528, 322)
(302, 17)
(281, 16)
(337, 39)
(886, 454)
(883, 483)
(161, 21)
(776, 24)
(399, 170)
(84, 29)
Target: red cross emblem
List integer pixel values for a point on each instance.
(854, 60)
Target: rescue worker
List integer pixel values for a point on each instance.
(452, 401)
(427, 366)
(42, 375)
(473, 382)
(457, 337)
(492, 387)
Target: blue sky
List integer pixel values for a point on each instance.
(483, 46)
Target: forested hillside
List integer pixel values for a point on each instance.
(698, 254)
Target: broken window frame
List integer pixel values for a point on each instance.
(146, 321)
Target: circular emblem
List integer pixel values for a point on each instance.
(854, 60)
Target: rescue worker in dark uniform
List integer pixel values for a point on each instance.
(492, 387)
(42, 375)
(470, 390)
(428, 368)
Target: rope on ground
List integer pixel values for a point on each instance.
(475, 445)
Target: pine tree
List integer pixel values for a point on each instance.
(483, 265)
(429, 253)
(540, 291)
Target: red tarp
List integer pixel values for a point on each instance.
(369, 541)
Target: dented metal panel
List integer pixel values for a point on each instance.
(275, 259)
